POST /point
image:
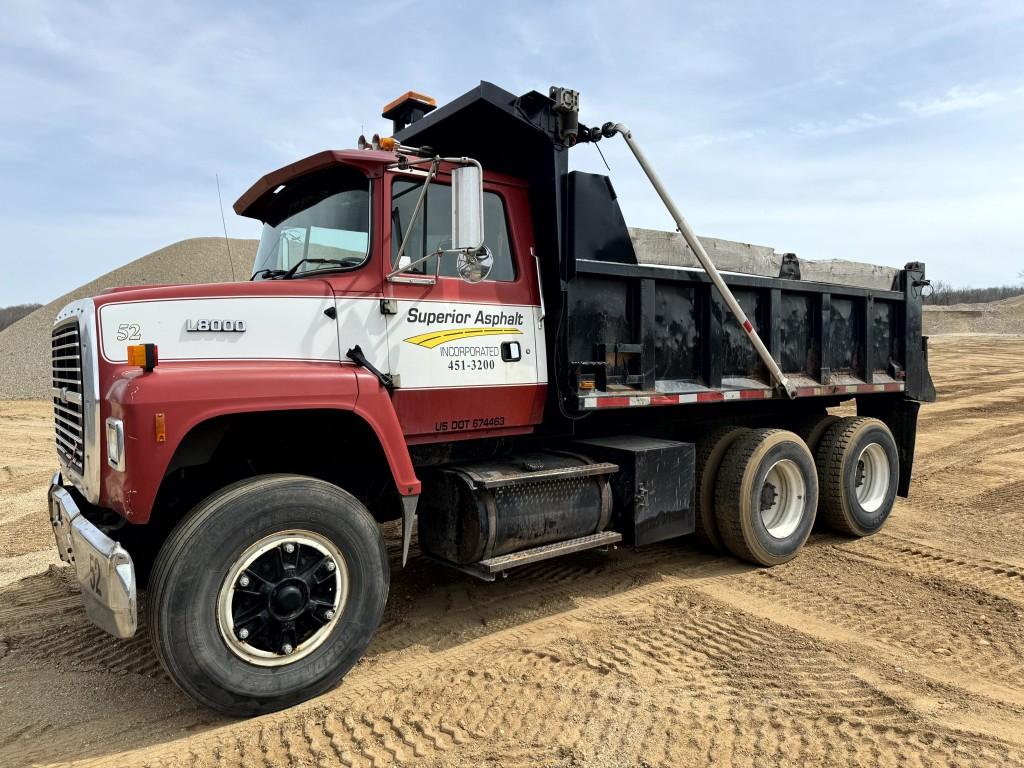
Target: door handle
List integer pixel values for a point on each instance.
(511, 351)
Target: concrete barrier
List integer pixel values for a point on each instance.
(669, 249)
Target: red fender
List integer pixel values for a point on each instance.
(374, 406)
(188, 394)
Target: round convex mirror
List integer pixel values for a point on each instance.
(474, 267)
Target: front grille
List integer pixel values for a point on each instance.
(68, 395)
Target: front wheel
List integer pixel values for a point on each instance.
(267, 593)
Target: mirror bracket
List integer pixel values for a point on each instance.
(467, 188)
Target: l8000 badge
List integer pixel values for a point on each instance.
(221, 326)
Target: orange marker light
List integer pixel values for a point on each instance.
(388, 144)
(160, 427)
(142, 355)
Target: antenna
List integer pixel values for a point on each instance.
(224, 224)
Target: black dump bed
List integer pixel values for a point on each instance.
(626, 334)
(643, 334)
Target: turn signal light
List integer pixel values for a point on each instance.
(142, 355)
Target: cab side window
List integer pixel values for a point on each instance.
(433, 229)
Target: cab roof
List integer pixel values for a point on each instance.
(255, 201)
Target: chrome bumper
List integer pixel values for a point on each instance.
(104, 569)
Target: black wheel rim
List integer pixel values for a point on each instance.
(282, 597)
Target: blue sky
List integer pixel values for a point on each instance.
(883, 132)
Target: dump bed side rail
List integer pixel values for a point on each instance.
(643, 336)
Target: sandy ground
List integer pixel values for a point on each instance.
(902, 649)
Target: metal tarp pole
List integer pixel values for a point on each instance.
(705, 260)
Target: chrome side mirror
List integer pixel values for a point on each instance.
(467, 208)
(475, 266)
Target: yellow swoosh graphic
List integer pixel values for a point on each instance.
(436, 338)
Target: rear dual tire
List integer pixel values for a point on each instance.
(711, 450)
(267, 593)
(858, 472)
(812, 429)
(766, 496)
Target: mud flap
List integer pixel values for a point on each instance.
(408, 518)
(901, 418)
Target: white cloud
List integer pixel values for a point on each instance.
(956, 99)
(698, 140)
(861, 122)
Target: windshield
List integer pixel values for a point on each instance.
(322, 218)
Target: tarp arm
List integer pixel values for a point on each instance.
(609, 130)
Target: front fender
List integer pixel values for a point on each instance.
(188, 394)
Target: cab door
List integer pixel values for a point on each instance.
(468, 358)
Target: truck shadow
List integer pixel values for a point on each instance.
(71, 692)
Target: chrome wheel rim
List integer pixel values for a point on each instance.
(782, 498)
(282, 597)
(871, 484)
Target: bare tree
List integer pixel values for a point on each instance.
(944, 294)
(11, 315)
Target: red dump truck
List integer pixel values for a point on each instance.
(450, 329)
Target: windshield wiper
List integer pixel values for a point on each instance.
(295, 267)
(268, 273)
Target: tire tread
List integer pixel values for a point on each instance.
(710, 448)
(728, 490)
(812, 429)
(173, 549)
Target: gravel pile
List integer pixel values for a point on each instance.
(25, 346)
(1005, 316)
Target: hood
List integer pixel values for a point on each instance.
(263, 320)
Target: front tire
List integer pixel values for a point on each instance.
(267, 593)
(766, 496)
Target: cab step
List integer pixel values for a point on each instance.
(490, 568)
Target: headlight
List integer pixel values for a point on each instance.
(115, 444)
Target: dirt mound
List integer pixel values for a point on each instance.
(1004, 317)
(24, 346)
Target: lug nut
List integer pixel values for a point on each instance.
(243, 633)
(328, 614)
(331, 565)
(289, 547)
(244, 581)
(286, 649)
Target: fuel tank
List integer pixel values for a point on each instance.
(473, 512)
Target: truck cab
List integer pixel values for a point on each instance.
(466, 359)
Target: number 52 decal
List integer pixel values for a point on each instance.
(129, 332)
